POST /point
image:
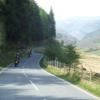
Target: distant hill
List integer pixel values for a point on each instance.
(78, 27)
(91, 41)
(67, 38)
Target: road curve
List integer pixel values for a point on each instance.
(29, 82)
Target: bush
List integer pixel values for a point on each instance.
(64, 54)
(43, 63)
(53, 49)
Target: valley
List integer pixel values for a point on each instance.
(90, 61)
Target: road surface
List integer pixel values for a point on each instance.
(29, 82)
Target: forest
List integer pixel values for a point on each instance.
(23, 22)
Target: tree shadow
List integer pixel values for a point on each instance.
(14, 85)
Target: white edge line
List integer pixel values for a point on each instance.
(36, 88)
(88, 93)
(4, 69)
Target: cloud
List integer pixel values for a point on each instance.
(66, 8)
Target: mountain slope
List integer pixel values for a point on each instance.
(78, 27)
(66, 38)
(92, 40)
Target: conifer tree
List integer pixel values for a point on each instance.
(23, 23)
(45, 23)
(52, 28)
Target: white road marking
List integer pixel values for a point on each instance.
(82, 90)
(88, 93)
(36, 88)
(4, 69)
(25, 74)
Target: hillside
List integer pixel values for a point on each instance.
(78, 26)
(90, 61)
(91, 41)
(67, 38)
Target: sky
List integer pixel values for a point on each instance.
(66, 8)
(66, 11)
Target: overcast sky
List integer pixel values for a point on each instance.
(88, 12)
(66, 8)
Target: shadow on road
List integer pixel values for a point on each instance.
(15, 85)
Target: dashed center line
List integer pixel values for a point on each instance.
(36, 88)
(25, 74)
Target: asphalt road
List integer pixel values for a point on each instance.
(29, 82)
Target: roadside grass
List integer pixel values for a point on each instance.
(7, 56)
(91, 87)
(90, 61)
(75, 78)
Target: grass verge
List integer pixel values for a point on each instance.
(73, 78)
(7, 56)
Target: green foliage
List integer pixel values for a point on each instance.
(2, 8)
(22, 20)
(45, 23)
(25, 22)
(52, 24)
(53, 49)
(43, 63)
(2, 34)
(70, 55)
(64, 54)
(93, 88)
(75, 79)
(48, 24)
(6, 55)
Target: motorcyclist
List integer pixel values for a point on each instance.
(30, 52)
(17, 59)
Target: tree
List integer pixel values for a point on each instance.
(23, 22)
(37, 24)
(2, 8)
(45, 23)
(2, 19)
(52, 28)
(48, 24)
(64, 54)
(53, 49)
(70, 56)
